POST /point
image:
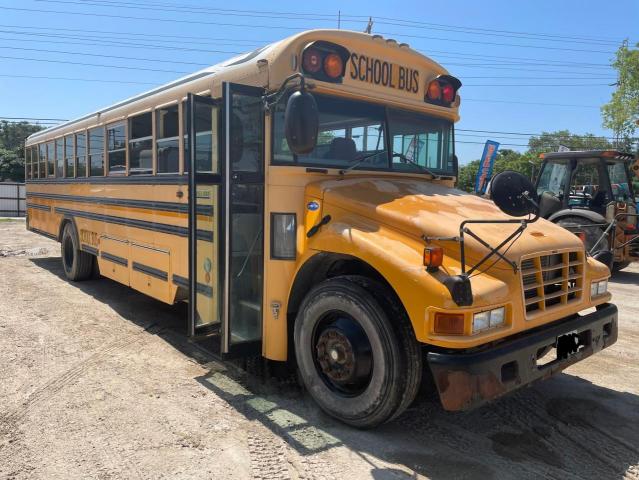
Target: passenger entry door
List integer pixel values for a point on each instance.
(243, 114)
(226, 217)
(206, 185)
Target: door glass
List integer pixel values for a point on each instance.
(206, 152)
(207, 194)
(246, 134)
(247, 258)
(246, 220)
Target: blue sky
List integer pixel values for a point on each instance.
(560, 50)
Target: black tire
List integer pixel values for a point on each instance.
(404, 331)
(358, 366)
(78, 265)
(593, 232)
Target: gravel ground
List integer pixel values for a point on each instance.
(97, 381)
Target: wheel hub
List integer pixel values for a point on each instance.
(335, 355)
(343, 354)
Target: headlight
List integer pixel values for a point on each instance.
(489, 319)
(598, 288)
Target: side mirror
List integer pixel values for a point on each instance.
(514, 194)
(301, 122)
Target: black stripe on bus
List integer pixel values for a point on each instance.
(43, 233)
(88, 249)
(154, 272)
(201, 288)
(134, 179)
(115, 259)
(124, 202)
(37, 206)
(142, 224)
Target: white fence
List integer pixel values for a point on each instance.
(13, 202)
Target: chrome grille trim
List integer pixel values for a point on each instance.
(552, 281)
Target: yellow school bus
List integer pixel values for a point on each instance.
(301, 199)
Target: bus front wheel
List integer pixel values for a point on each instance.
(357, 365)
(78, 265)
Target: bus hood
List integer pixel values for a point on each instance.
(424, 208)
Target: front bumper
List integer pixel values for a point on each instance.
(466, 380)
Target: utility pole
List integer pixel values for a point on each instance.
(369, 27)
(339, 19)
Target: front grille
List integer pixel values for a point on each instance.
(551, 281)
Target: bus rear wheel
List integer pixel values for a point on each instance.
(357, 365)
(78, 265)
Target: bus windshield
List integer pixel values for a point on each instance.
(352, 132)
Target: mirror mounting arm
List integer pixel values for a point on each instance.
(271, 99)
(493, 251)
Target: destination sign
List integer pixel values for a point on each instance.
(380, 72)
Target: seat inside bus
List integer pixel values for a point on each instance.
(342, 148)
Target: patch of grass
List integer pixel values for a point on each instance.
(8, 219)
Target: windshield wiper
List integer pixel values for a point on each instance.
(405, 159)
(359, 161)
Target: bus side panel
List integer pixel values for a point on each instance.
(114, 259)
(161, 257)
(150, 271)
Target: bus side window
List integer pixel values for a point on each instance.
(50, 159)
(168, 136)
(81, 154)
(116, 149)
(141, 144)
(59, 157)
(42, 154)
(96, 152)
(69, 165)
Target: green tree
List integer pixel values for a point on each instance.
(621, 114)
(526, 163)
(550, 142)
(12, 137)
(11, 166)
(467, 175)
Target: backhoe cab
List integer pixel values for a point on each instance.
(591, 194)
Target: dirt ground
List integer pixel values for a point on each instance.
(98, 381)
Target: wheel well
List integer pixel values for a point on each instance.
(322, 267)
(63, 223)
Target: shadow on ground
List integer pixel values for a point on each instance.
(625, 277)
(565, 427)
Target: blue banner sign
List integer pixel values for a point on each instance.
(485, 172)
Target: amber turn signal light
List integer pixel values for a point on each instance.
(449, 323)
(433, 258)
(333, 65)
